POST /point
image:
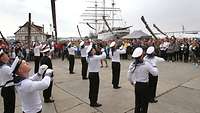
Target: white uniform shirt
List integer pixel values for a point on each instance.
(5, 75)
(37, 50)
(72, 50)
(83, 51)
(94, 62)
(116, 54)
(153, 61)
(29, 91)
(141, 73)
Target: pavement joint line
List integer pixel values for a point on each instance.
(76, 97)
(129, 110)
(180, 85)
(190, 88)
(54, 104)
(71, 107)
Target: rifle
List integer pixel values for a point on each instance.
(104, 19)
(159, 30)
(4, 39)
(79, 32)
(147, 27)
(90, 26)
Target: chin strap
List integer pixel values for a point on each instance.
(16, 80)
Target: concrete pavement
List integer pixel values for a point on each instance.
(178, 90)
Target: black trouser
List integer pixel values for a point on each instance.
(84, 67)
(37, 63)
(115, 73)
(186, 55)
(141, 97)
(71, 63)
(37, 112)
(8, 94)
(181, 56)
(47, 92)
(163, 54)
(153, 80)
(170, 56)
(94, 87)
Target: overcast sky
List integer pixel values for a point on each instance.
(169, 15)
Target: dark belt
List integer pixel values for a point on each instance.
(37, 112)
(142, 83)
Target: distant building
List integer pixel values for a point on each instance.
(37, 33)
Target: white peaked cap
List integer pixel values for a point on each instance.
(82, 43)
(150, 50)
(137, 52)
(14, 64)
(89, 49)
(69, 43)
(112, 44)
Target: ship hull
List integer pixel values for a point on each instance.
(117, 34)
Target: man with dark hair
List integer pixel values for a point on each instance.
(46, 60)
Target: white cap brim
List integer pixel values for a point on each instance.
(137, 52)
(89, 49)
(45, 50)
(1, 52)
(82, 43)
(14, 64)
(43, 46)
(69, 43)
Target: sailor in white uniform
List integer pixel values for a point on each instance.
(114, 54)
(153, 80)
(36, 51)
(71, 57)
(138, 75)
(8, 89)
(29, 87)
(83, 49)
(93, 69)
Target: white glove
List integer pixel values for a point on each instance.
(102, 49)
(42, 69)
(49, 72)
(121, 47)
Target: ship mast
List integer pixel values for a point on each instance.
(113, 14)
(96, 16)
(93, 15)
(104, 12)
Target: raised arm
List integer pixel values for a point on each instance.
(30, 86)
(122, 51)
(99, 57)
(151, 69)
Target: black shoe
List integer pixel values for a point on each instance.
(49, 101)
(95, 105)
(85, 78)
(71, 73)
(153, 101)
(116, 87)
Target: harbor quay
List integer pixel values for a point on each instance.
(178, 90)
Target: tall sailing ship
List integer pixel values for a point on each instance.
(103, 18)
